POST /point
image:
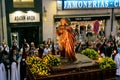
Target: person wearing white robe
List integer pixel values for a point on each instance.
(14, 71)
(2, 72)
(19, 60)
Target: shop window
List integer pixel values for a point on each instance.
(23, 3)
(83, 27)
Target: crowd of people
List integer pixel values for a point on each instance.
(106, 47)
(12, 59)
(15, 56)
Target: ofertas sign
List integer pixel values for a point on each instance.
(76, 4)
(22, 17)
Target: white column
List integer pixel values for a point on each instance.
(48, 24)
(4, 24)
(114, 27)
(0, 22)
(114, 22)
(108, 28)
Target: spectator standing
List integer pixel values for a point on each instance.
(4, 46)
(2, 72)
(40, 50)
(117, 37)
(14, 56)
(89, 33)
(57, 49)
(47, 50)
(108, 49)
(32, 49)
(6, 61)
(1, 54)
(117, 60)
(53, 48)
(14, 65)
(102, 32)
(49, 42)
(77, 32)
(25, 50)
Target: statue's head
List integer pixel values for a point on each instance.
(64, 22)
(60, 31)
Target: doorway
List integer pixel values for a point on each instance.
(31, 34)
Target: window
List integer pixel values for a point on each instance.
(23, 3)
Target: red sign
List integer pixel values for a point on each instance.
(96, 26)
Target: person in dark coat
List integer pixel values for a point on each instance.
(108, 50)
(40, 50)
(1, 54)
(102, 47)
(102, 32)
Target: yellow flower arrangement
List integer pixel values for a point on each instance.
(40, 69)
(40, 66)
(51, 60)
(37, 67)
(33, 60)
(106, 63)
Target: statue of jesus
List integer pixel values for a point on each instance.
(66, 40)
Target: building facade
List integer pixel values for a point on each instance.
(108, 18)
(39, 19)
(23, 21)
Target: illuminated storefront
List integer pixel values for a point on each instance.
(84, 21)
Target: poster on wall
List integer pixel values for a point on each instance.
(96, 27)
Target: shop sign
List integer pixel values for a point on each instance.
(83, 18)
(78, 4)
(22, 17)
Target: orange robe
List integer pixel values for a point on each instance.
(66, 42)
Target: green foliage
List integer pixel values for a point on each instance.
(107, 63)
(91, 53)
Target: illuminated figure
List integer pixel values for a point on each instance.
(66, 40)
